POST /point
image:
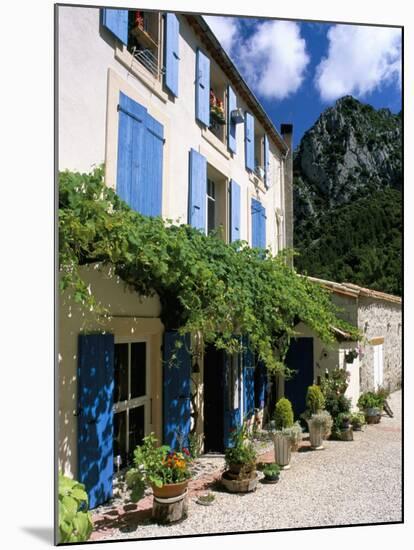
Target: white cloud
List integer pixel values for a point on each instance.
(360, 59)
(225, 28)
(272, 59)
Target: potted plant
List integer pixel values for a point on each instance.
(161, 468)
(75, 522)
(345, 427)
(271, 473)
(283, 418)
(351, 355)
(370, 404)
(327, 427)
(317, 426)
(240, 475)
(295, 435)
(357, 421)
(318, 421)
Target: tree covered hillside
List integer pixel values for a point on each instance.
(347, 193)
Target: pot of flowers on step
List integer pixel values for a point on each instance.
(166, 472)
(271, 473)
(240, 457)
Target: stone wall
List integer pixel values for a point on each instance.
(376, 319)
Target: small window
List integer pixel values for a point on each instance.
(259, 152)
(211, 206)
(216, 202)
(218, 87)
(144, 40)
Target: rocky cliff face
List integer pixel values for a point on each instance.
(347, 196)
(351, 151)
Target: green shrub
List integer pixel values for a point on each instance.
(315, 401)
(75, 523)
(283, 414)
(371, 400)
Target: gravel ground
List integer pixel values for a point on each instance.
(346, 483)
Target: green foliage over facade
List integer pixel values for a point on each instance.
(283, 414)
(203, 283)
(75, 524)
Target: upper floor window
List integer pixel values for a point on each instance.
(217, 103)
(144, 32)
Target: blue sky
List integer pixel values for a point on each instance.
(298, 69)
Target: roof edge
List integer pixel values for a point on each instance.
(202, 28)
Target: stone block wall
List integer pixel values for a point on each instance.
(376, 319)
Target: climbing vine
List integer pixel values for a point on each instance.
(204, 285)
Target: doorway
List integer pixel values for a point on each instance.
(213, 400)
(299, 358)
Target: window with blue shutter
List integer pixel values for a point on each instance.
(140, 158)
(197, 191)
(202, 82)
(260, 383)
(258, 213)
(266, 156)
(176, 389)
(171, 53)
(116, 21)
(234, 211)
(231, 125)
(95, 415)
(249, 141)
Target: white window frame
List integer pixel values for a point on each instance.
(145, 400)
(378, 366)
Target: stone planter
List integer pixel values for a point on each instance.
(316, 433)
(239, 485)
(282, 446)
(240, 469)
(372, 415)
(347, 434)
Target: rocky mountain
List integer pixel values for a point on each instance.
(347, 196)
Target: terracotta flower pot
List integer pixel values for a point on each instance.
(170, 490)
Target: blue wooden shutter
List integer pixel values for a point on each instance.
(248, 379)
(266, 161)
(231, 126)
(249, 141)
(116, 21)
(172, 26)
(197, 191)
(235, 211)
(203, 88)
(149, 197)
(95, 415)
(140, 158)
(231, 419)
(176, 389)
(258, 224)
(131, 128)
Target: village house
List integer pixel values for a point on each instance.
(155, 98)
(375, 361)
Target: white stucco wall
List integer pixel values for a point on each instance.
(92, 71)
(133, 317)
